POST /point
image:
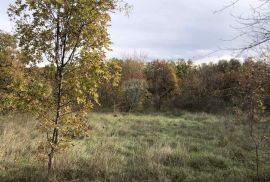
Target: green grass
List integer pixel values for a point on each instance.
(138, 147)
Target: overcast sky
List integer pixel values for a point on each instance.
(170, 28)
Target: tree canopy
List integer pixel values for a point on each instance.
(71, 37)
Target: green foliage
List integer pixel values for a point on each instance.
(254, 88)
(7, 42)
(12, 75)
(133, 92)
(162, 81)
(182, 67)
(211, 87)
(109, 90)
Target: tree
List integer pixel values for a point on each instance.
(182, 67)
(72, 37)
(252, 27)
(253, 88)
(133, 84)
(210, 87)
(109, 91)
(12, 82)
(226, 74)
(193, 89)
(161, 80)
(132, 92)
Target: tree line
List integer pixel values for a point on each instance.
(180, 84)
(134, 85)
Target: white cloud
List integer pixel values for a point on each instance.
(215, 59)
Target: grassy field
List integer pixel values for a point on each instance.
(129, 147)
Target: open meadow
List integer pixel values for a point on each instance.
(135, 91)
(137, 147)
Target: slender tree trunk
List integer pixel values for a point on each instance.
(55, 136)
(58, 97)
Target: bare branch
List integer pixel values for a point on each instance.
(226, 7)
